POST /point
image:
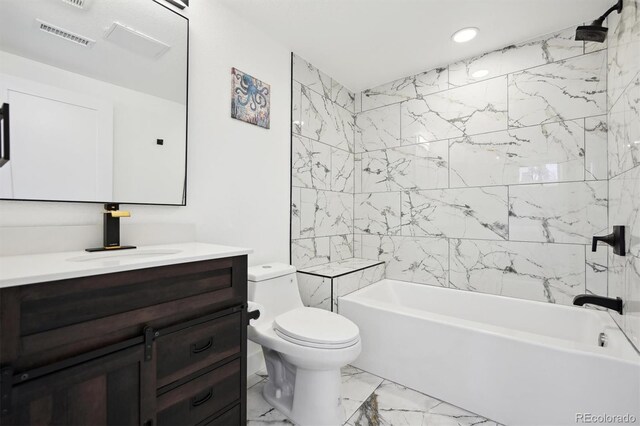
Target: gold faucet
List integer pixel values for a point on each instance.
(118, 213)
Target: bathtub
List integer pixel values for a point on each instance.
(513, 361)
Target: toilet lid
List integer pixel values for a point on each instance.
(316, 327)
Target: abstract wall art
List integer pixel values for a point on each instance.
(250, 99)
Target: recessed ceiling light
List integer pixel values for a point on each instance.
(464, 35)
(480, 73)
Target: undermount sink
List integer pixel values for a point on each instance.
(123, 254)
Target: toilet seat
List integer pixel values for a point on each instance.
(316, 328)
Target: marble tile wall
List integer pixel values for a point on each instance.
(493, 184)
(624, 161)
(322, 171)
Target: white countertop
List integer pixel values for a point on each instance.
(37, 268)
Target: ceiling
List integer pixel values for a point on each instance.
(364, 43)
(114, 62)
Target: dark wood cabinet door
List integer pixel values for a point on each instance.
(116, 389)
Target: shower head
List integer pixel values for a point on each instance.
(592, 32)
(596, 31)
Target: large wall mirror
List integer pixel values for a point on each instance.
(94, 96)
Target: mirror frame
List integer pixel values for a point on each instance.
(186, 144)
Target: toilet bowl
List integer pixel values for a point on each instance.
(304, 348)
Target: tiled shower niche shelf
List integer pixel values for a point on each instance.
(322, 285)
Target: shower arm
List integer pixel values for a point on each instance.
(616, 7)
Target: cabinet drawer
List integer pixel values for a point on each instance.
(200, 398)
(186, 351)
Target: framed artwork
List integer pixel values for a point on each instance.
(250, 99)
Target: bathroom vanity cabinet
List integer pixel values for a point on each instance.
(162, 345)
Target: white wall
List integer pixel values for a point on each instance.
(238, 179)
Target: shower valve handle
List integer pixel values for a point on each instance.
(615, 240)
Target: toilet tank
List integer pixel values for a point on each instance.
(275, 287)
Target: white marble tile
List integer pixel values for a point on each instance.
(343, 96)
(592, 46)
(535, 271)
(322, 120)
(378, 128)
(415, 259)
(310, 163)
(358, 263)
(377, 213)
(557, 212)
(357, 245)
(565, 90)
(311, 77)
(315, 291)
(412, 87)
(310, 252)
(316, 117)
(253, 379)
(358, 103)
(357, 386)
(596, 271)
(624, 274)
(324, 213)
(328, 270)
(539, 51)
(346, 122)
(296, 108)
(342, 170)
(552, 152)
(475, 108)
(595, 148)
(616, 287)
(624, 130)
(295, 213)
(624, 45)
(421, 166)
(341, 247)
(616, 277)
(456, 213)
(357, 173)
(393, 404)
(349, 283)
(259, 412)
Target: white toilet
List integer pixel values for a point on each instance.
(304, 348)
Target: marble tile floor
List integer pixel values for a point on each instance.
(369, 401)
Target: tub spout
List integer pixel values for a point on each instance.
(605, 302)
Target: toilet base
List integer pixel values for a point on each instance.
(307, 397)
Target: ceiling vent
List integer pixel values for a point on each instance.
(80, 4)
(65, 34)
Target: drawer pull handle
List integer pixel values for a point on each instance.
(195, 349)
(195, 401)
